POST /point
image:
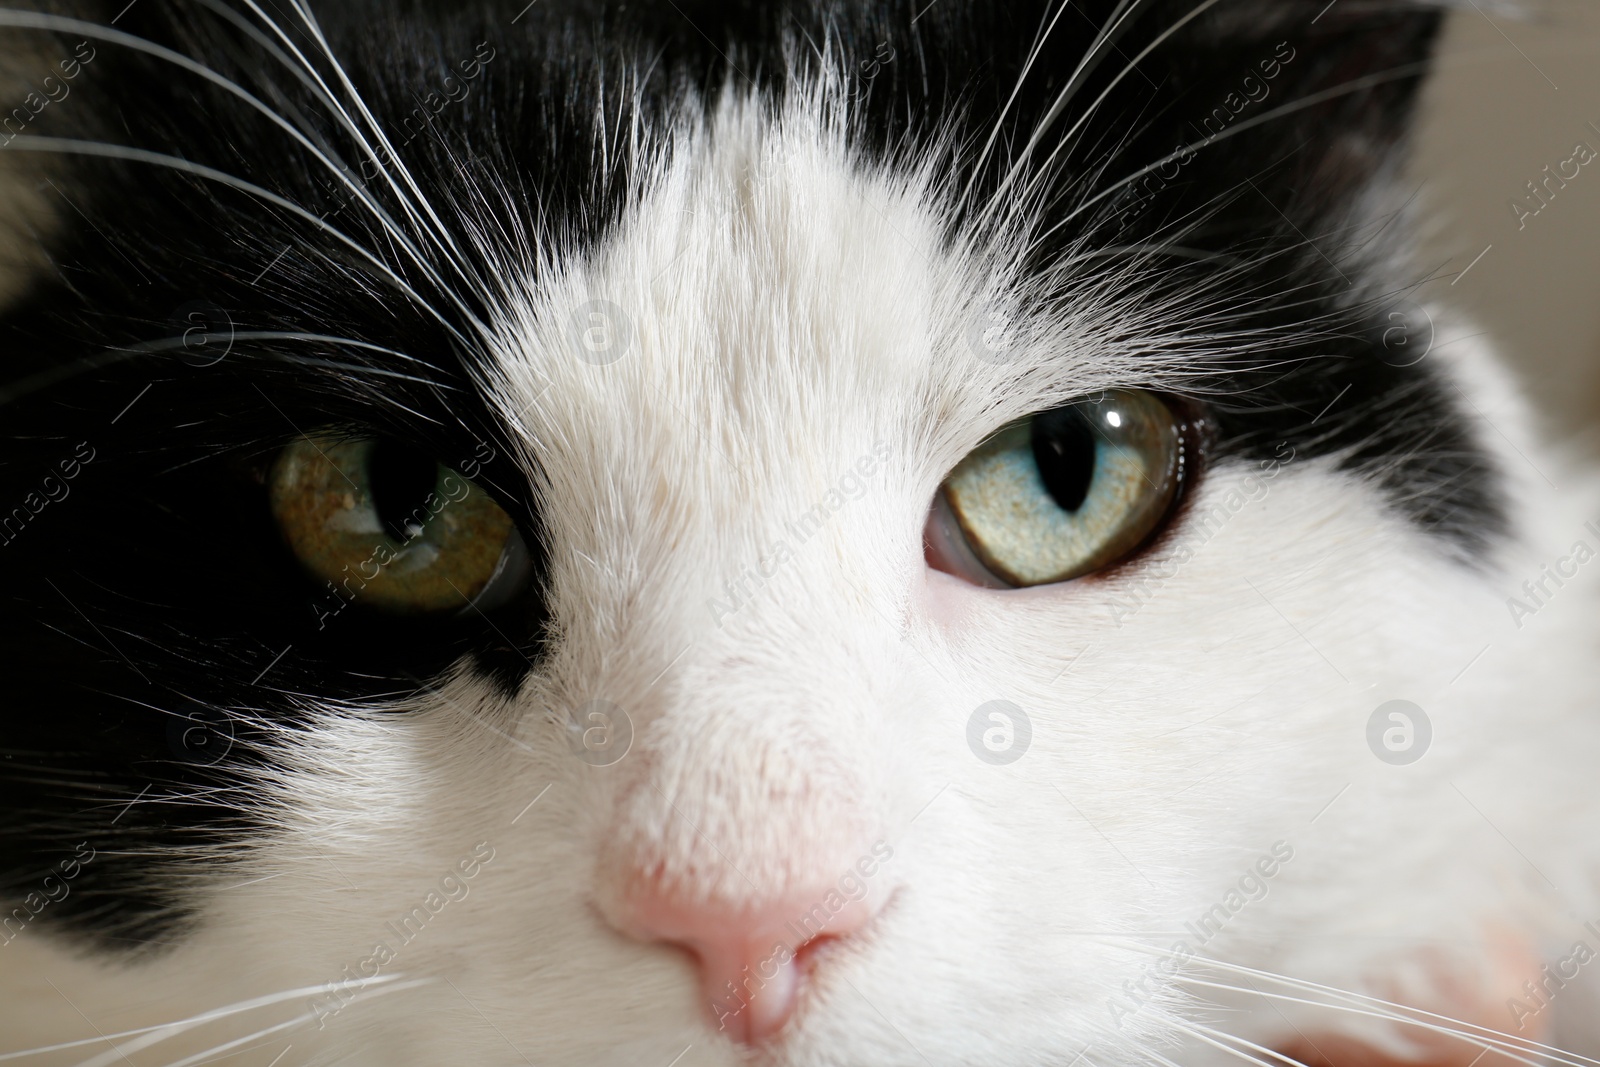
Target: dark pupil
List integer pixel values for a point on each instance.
(1064, 449)
(401, 477)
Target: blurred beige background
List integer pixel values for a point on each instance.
(1513, 95)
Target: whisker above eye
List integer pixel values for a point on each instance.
(1355, 85)
(1044, 169)
(104, 150)
(439, 233)
(61, 24)
(110, 357)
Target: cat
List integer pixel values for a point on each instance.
(867, 534)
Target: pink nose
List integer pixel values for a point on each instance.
(752, 961)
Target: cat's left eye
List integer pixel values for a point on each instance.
(1061, 494)
(387, 526)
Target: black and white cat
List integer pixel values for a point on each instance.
(864, 534)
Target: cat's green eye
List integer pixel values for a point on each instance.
(1061, 494)
(386, 526)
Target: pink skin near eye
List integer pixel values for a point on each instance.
(946, 550)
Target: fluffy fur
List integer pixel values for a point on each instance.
(792, 294)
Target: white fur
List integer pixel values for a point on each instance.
(789, 311)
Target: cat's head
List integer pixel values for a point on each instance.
(592, 534)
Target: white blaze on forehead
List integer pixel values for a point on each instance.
(773, 309)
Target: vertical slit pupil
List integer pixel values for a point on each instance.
(1064, 449)
(400, 478)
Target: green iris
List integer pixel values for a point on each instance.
(390, 528)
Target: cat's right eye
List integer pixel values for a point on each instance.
(1062, 494)
(389, 527)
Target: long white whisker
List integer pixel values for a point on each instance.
(1354, 86)
(1204, 1033)
(1417, 1016)
(1027, 67)
(111, 356)
(62, 24)
(168, 343)
(308, 77)
(32, 143)
(1107, 37)
(1089, 111)
(343, 115)
(196, 1020)
(1160, 1060)
(1221, 1035)
(1361, 1003)
(110, 1058)
(1504, 1047)
(315, 29)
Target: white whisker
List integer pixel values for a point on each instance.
(32, 143)
(1218, 1040)
(1115, 27)
(1350, 1002)
(109, 1060)
(193, 1020)
(440, 232)
(307, 73)
(1345, 89)
(1090, 111)
(1504, 1047)
(1478, 1035)
(62, 24)
(112, 356)
(1016, 90)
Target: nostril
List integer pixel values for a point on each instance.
(752, 962)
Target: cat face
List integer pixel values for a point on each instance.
(800, 536)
